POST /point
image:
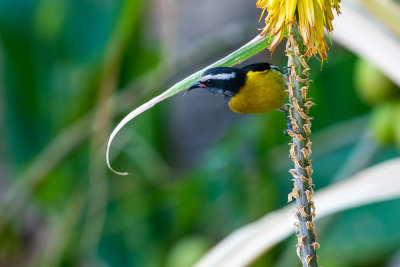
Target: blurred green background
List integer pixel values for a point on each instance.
(71, 69)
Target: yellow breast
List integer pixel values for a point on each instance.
(262, 92)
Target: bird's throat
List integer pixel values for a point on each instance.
(221, 92)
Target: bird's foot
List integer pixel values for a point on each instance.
(289, 131)
(287, 70)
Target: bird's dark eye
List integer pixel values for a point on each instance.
(208, 82)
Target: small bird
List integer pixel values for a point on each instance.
(255, 88)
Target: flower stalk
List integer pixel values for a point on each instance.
(305, 22)
(300, 148)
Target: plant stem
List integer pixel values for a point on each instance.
(300, 150)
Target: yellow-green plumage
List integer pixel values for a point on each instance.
(262, 92)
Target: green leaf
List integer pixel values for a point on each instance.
(250, 49)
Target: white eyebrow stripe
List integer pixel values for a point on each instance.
(220, 76)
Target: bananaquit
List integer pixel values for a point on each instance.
(256, 88)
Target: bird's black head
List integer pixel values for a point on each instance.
(222, 81)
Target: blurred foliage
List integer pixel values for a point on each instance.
(373, 86)
(62, 60)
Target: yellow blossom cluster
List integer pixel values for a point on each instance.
(311, 16)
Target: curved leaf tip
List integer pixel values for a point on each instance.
(127, 119)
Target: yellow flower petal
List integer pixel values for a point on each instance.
(290, 9)
(312, 17)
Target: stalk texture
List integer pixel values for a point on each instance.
(300, 149)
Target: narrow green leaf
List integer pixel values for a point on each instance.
(250, 49)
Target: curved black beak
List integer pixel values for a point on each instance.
(194, 85)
